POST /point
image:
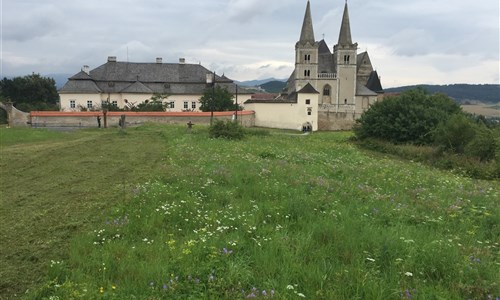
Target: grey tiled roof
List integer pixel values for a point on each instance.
(137, 87)
(323, 48)
(80, 76)
(308, 89)
(80, 87)
(362, 90)
(146, 78)
(374, 83)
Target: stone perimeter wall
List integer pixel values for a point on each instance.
(15, 117)
(336, 121)
(46, 119)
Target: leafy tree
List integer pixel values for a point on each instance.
(30, 92)
(223, 100)
(408, 118)
(154, 104)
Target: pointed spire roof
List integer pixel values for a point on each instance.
(345, 29)
(307, 33)
(374, 83)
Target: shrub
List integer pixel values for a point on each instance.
(227, 130)
(482, 146)
(410, 117)
(455, 133)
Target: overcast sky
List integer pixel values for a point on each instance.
(409, 42)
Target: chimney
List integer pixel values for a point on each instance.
(182, 61)
(111, 58)
(210, 78)
(86, 69)
(159, 60)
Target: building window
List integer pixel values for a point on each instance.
(326, 90)
(171, 104)
(346, 59)
(307, 58)
(307, 73)
(309, 113)
(186, 106)
(89, 103)
(345, 101)
(114, 103)
(193, 104)
(308, 101)
(72, 103)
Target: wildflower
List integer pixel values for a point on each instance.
(301, 295)
(101, 290)
(409, 274)
(113, 287)
(165, 286)
(289, 287)
(370, 259)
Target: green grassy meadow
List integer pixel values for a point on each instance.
(155, 212)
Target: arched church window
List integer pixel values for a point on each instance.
(326, 90)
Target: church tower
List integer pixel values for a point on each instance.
(306, 54)
(345, 54)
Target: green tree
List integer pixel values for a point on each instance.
(223, 100)
(408, 118)
(30, 92)
(154, 104)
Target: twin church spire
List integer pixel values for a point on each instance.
(307, 33)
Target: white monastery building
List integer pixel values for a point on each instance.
(127, 84)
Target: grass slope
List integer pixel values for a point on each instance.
(55, 185)
(278, 216)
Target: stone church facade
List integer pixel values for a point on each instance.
(341, 84)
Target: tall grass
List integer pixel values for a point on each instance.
(279, 216)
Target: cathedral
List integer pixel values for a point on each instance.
(336, 87)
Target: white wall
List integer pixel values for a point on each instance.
(286, 115)
(97, 99)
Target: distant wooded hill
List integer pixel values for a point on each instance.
(273, 86)
(462, 93)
